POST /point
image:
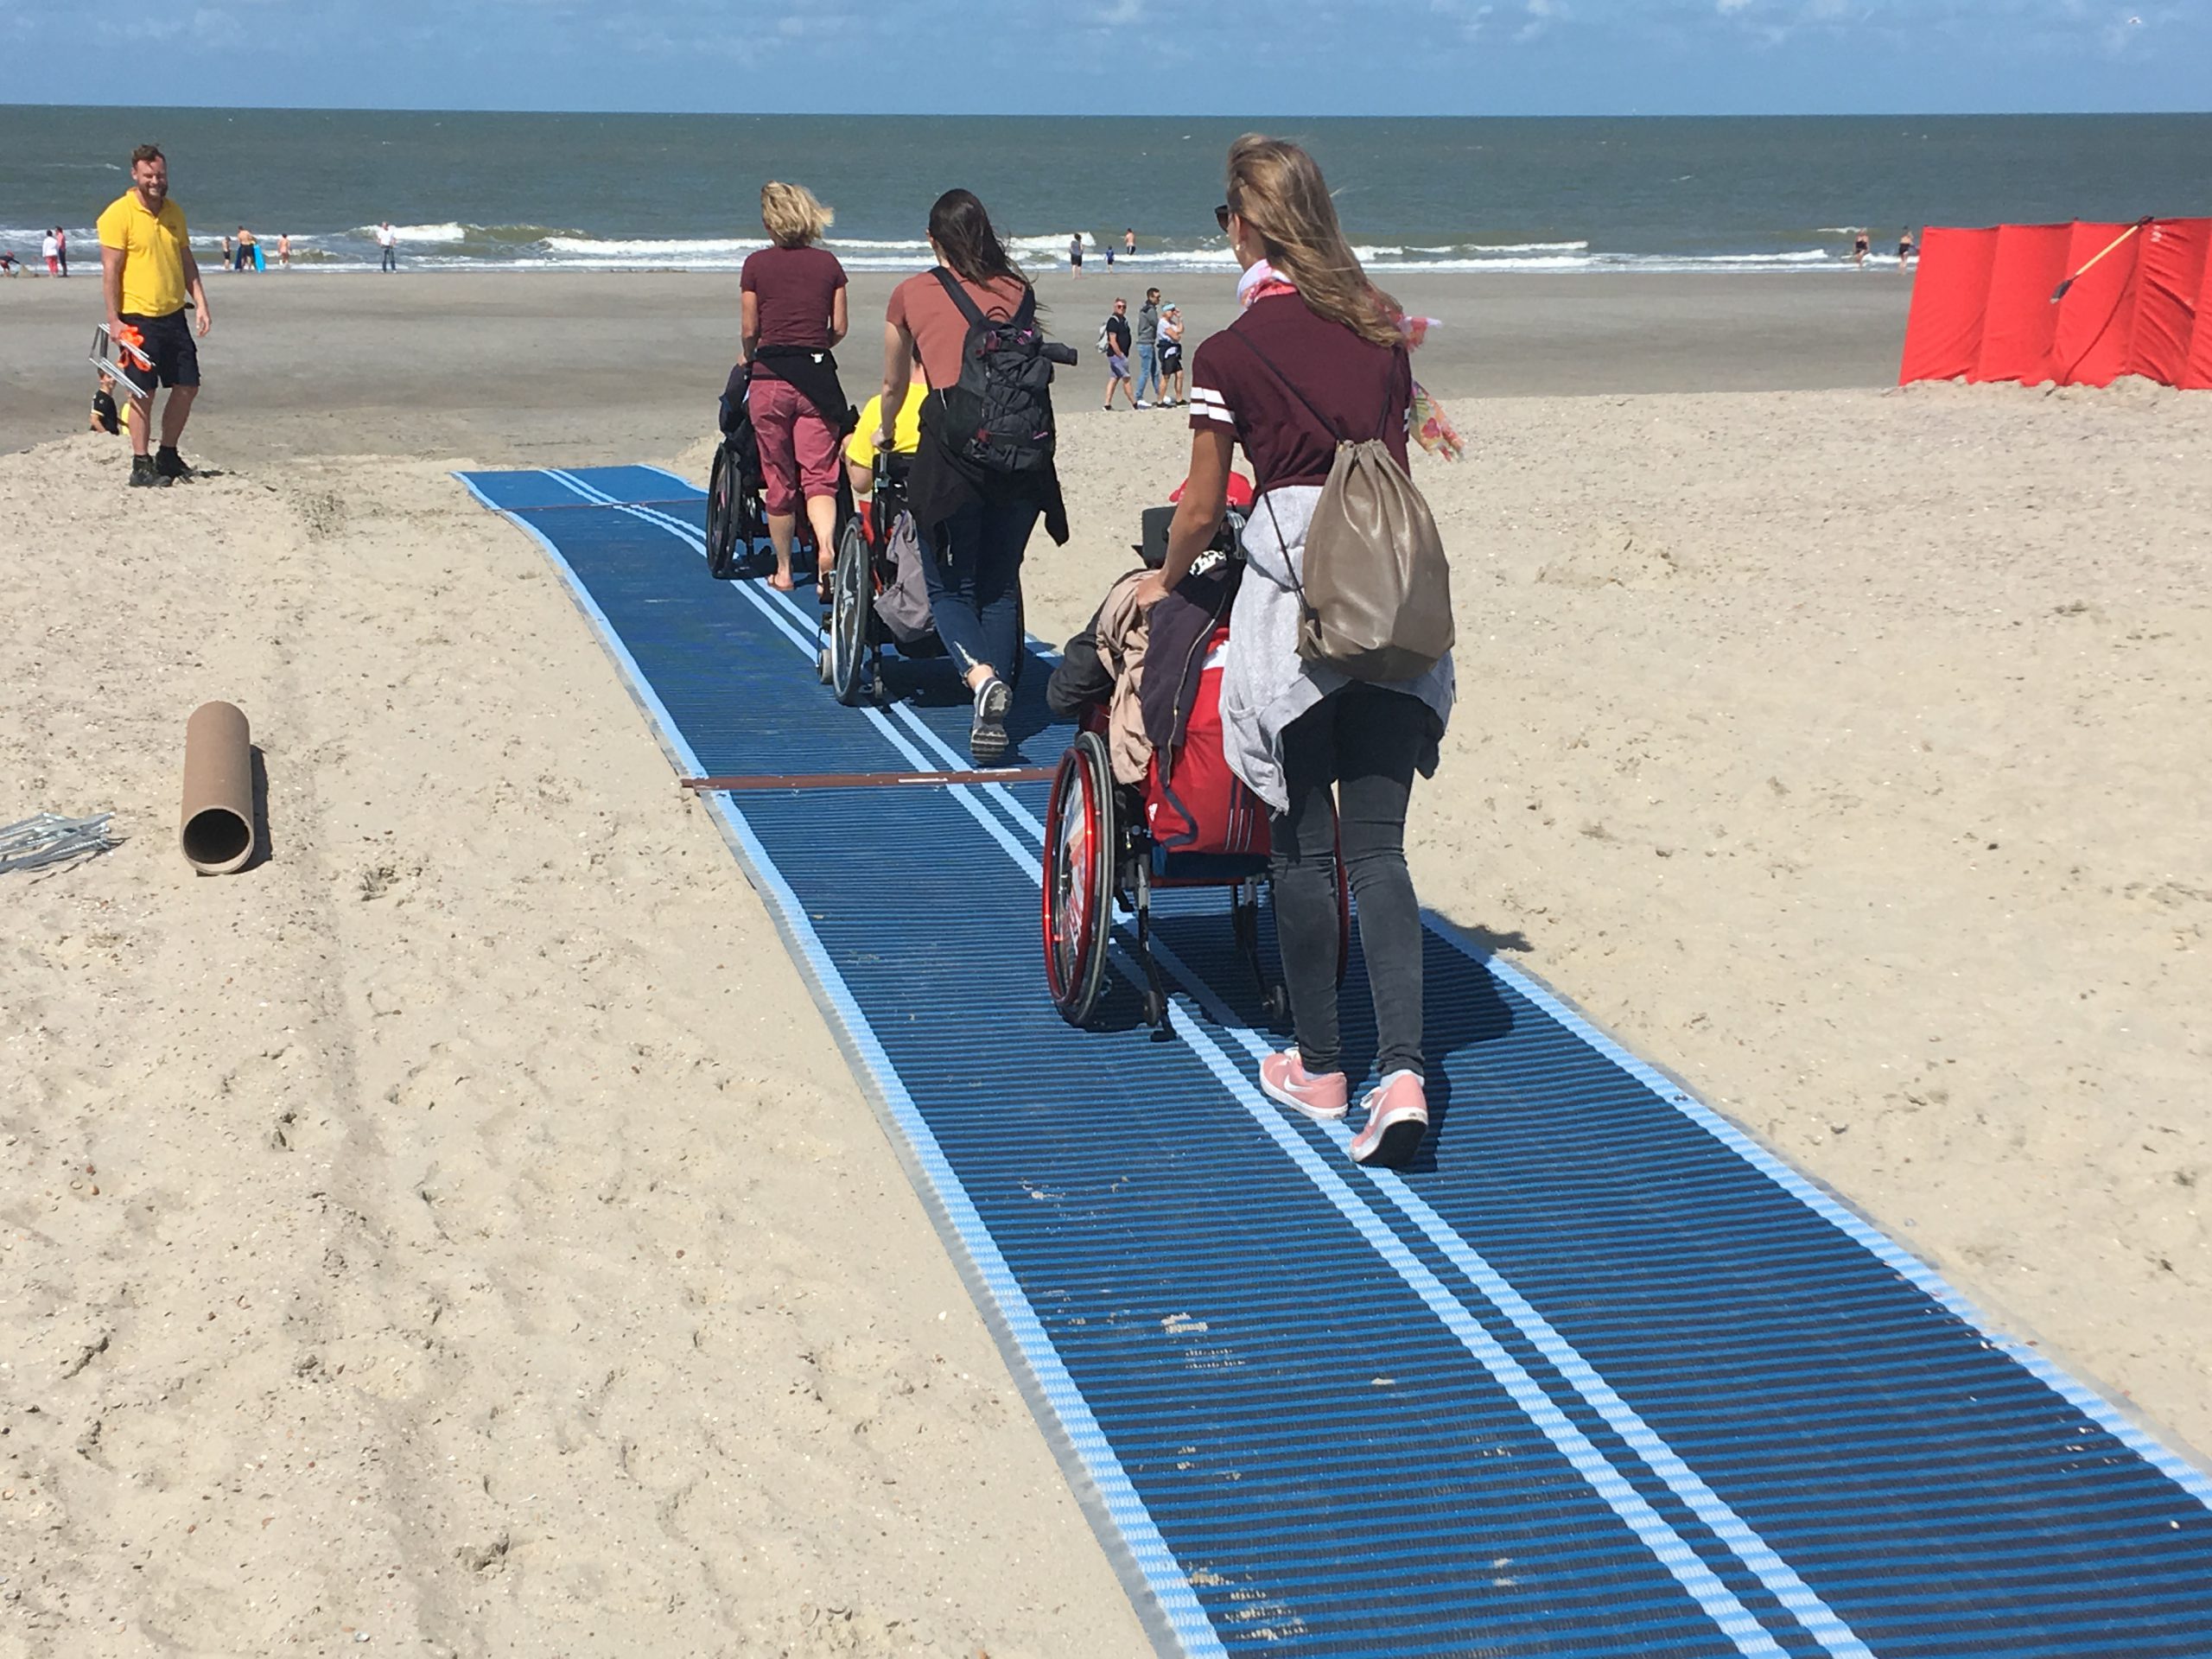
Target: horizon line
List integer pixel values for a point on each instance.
(228, 106)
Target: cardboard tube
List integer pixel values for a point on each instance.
(217, 830)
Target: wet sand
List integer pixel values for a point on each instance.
(512, 366)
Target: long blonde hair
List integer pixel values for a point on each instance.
(1279, 193)
(792, 214)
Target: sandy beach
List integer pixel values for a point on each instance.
(461, 1232)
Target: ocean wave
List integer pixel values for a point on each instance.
(465, 246)
(415, 232)
(654, 247)
(1803, 256)
(515, 235)
(1052, 243)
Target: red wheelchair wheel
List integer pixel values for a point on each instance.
(1081, 845)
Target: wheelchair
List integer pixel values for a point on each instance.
(861, 623)
(736, 522)
(737, 513)
(1191, 824)
(736, 516)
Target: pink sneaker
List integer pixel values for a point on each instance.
(1283, 1079)
(1397, 1120)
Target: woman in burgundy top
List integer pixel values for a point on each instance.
(1318, 356)
(794, 301)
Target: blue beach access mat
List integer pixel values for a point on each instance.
(1601, 1377)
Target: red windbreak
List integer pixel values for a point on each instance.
(2020, 322)
(2167, 300)
(1943, 336)
(2095, 331)
(2196, 374)
(2139, 302)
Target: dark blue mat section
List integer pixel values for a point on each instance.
(1601, 1378)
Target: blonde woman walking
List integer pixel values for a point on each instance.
(793, 299)
(1318, 355)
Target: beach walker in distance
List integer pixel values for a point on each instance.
(1192, 823)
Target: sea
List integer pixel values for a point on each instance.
(538, 192)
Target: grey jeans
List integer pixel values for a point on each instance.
(1349, 764)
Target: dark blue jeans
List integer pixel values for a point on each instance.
(972, 563)
(1349, 764)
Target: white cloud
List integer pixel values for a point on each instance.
(1542, 14)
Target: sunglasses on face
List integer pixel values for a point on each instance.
(1221, 217)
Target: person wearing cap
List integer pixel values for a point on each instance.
(1170, 355)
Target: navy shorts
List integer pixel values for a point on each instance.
(169, 342)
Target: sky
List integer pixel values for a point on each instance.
(1104, 57)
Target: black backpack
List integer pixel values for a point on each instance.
(999, 416)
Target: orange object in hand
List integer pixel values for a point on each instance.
(132, 340)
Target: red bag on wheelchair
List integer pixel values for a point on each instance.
(1193, 804)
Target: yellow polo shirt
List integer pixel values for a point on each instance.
(153, 247)
(905, 434)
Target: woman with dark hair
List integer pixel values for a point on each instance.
(973, 522)
(1318, 357)
(794, 312)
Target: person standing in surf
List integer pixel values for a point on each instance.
(975, 525)
(147, 272)
(388, 246)
(1318, 355)
(793, 298)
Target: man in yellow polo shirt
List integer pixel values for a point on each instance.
(146, 270)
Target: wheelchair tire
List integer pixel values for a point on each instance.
(1082, 846)
(1020, 639)
(721, 516)
(852, 595)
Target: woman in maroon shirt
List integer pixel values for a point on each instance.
(1318, 357)
(794, 313)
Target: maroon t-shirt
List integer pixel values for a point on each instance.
(794, 287)
(1363, 389)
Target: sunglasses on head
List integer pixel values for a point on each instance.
(1221, 216)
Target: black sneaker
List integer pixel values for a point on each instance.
(143, 475)
(987, 738)
(171, 466)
